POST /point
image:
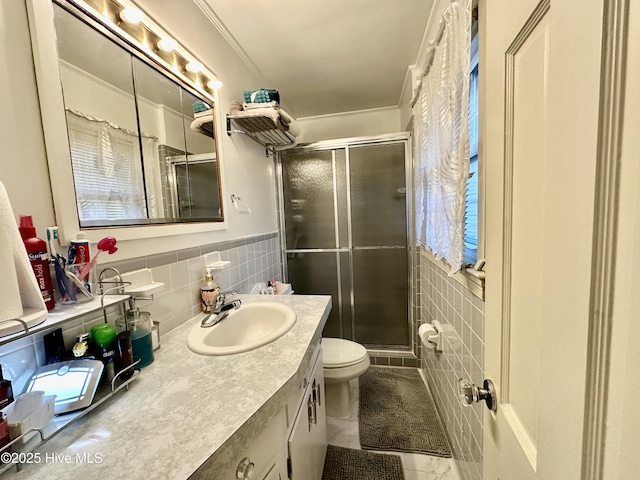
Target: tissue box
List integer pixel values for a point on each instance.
(29, 410)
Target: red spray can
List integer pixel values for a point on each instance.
(37, 251)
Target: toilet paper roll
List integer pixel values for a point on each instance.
(424, 332)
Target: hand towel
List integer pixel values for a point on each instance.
(264, 95)
(21, 296)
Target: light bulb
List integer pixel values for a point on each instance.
(194, 66)
(132, 15)
(167, 44)
(214, 84)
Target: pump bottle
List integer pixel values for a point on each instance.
(209, 290)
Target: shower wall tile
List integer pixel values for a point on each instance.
(254, 259)
(461, 314)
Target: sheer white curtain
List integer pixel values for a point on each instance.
(107, 170)
(442, 138)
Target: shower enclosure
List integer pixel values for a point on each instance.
(345, 223)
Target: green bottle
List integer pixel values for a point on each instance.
(104, 338)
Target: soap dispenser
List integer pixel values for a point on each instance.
(139, 325)
(208, 292)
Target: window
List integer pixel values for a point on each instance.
(471, 207)
(107, 184)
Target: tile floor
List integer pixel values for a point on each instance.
(343, 432)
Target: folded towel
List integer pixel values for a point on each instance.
(249, 106)
(285, 120)
(285, 116)
(200, 106)
(264, 95)
(235, 108)
(269, 112)
(20, 292)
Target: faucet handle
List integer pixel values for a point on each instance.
(222, 297)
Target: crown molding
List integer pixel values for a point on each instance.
(204, 6)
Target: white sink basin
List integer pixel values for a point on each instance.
(251, 326)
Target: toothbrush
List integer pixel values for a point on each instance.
(67, 293)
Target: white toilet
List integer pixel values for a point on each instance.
(343, 360)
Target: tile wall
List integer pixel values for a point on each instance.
(253, 259)
(461, 314)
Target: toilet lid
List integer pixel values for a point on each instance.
(337, 352)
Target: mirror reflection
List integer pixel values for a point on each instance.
(143, 147)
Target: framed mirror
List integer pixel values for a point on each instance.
(141, 142)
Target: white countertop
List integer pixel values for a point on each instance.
(182, 408)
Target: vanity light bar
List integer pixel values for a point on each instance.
(131, 15)
(167, 44)
(121, 15)
(194, 66)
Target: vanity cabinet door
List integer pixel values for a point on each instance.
(275, 474)
(308, 439)
(258, 456)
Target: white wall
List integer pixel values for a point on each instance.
(362, 123)
(23, 166)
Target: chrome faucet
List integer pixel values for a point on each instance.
(221, 299)
(221, 309)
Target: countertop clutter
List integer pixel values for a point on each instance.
(183, 407)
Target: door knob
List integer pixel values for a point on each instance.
(471, 393)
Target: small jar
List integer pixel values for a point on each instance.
(125, 354)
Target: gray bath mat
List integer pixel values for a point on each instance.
(397, 413)
(346, 463)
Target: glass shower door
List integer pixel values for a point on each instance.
(345, 229)
(379, 245)
(315, 212)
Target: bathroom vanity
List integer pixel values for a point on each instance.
(258, 414)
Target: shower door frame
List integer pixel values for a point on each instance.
(346, 143)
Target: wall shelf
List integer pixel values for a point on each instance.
(261, 129)
(65, 313)
(203, 123)
(60, 422)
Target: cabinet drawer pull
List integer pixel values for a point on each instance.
(245, 469)
(311, 411)
(316, 393)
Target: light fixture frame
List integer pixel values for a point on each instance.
(144, 37)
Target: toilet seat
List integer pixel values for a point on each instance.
(340, 353)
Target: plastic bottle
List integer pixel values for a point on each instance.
(139, 324)
(79, 257)
(37, 250)
(6, 391)
(104, 338)
(208, 292)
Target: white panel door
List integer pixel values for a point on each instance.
(540, 69)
